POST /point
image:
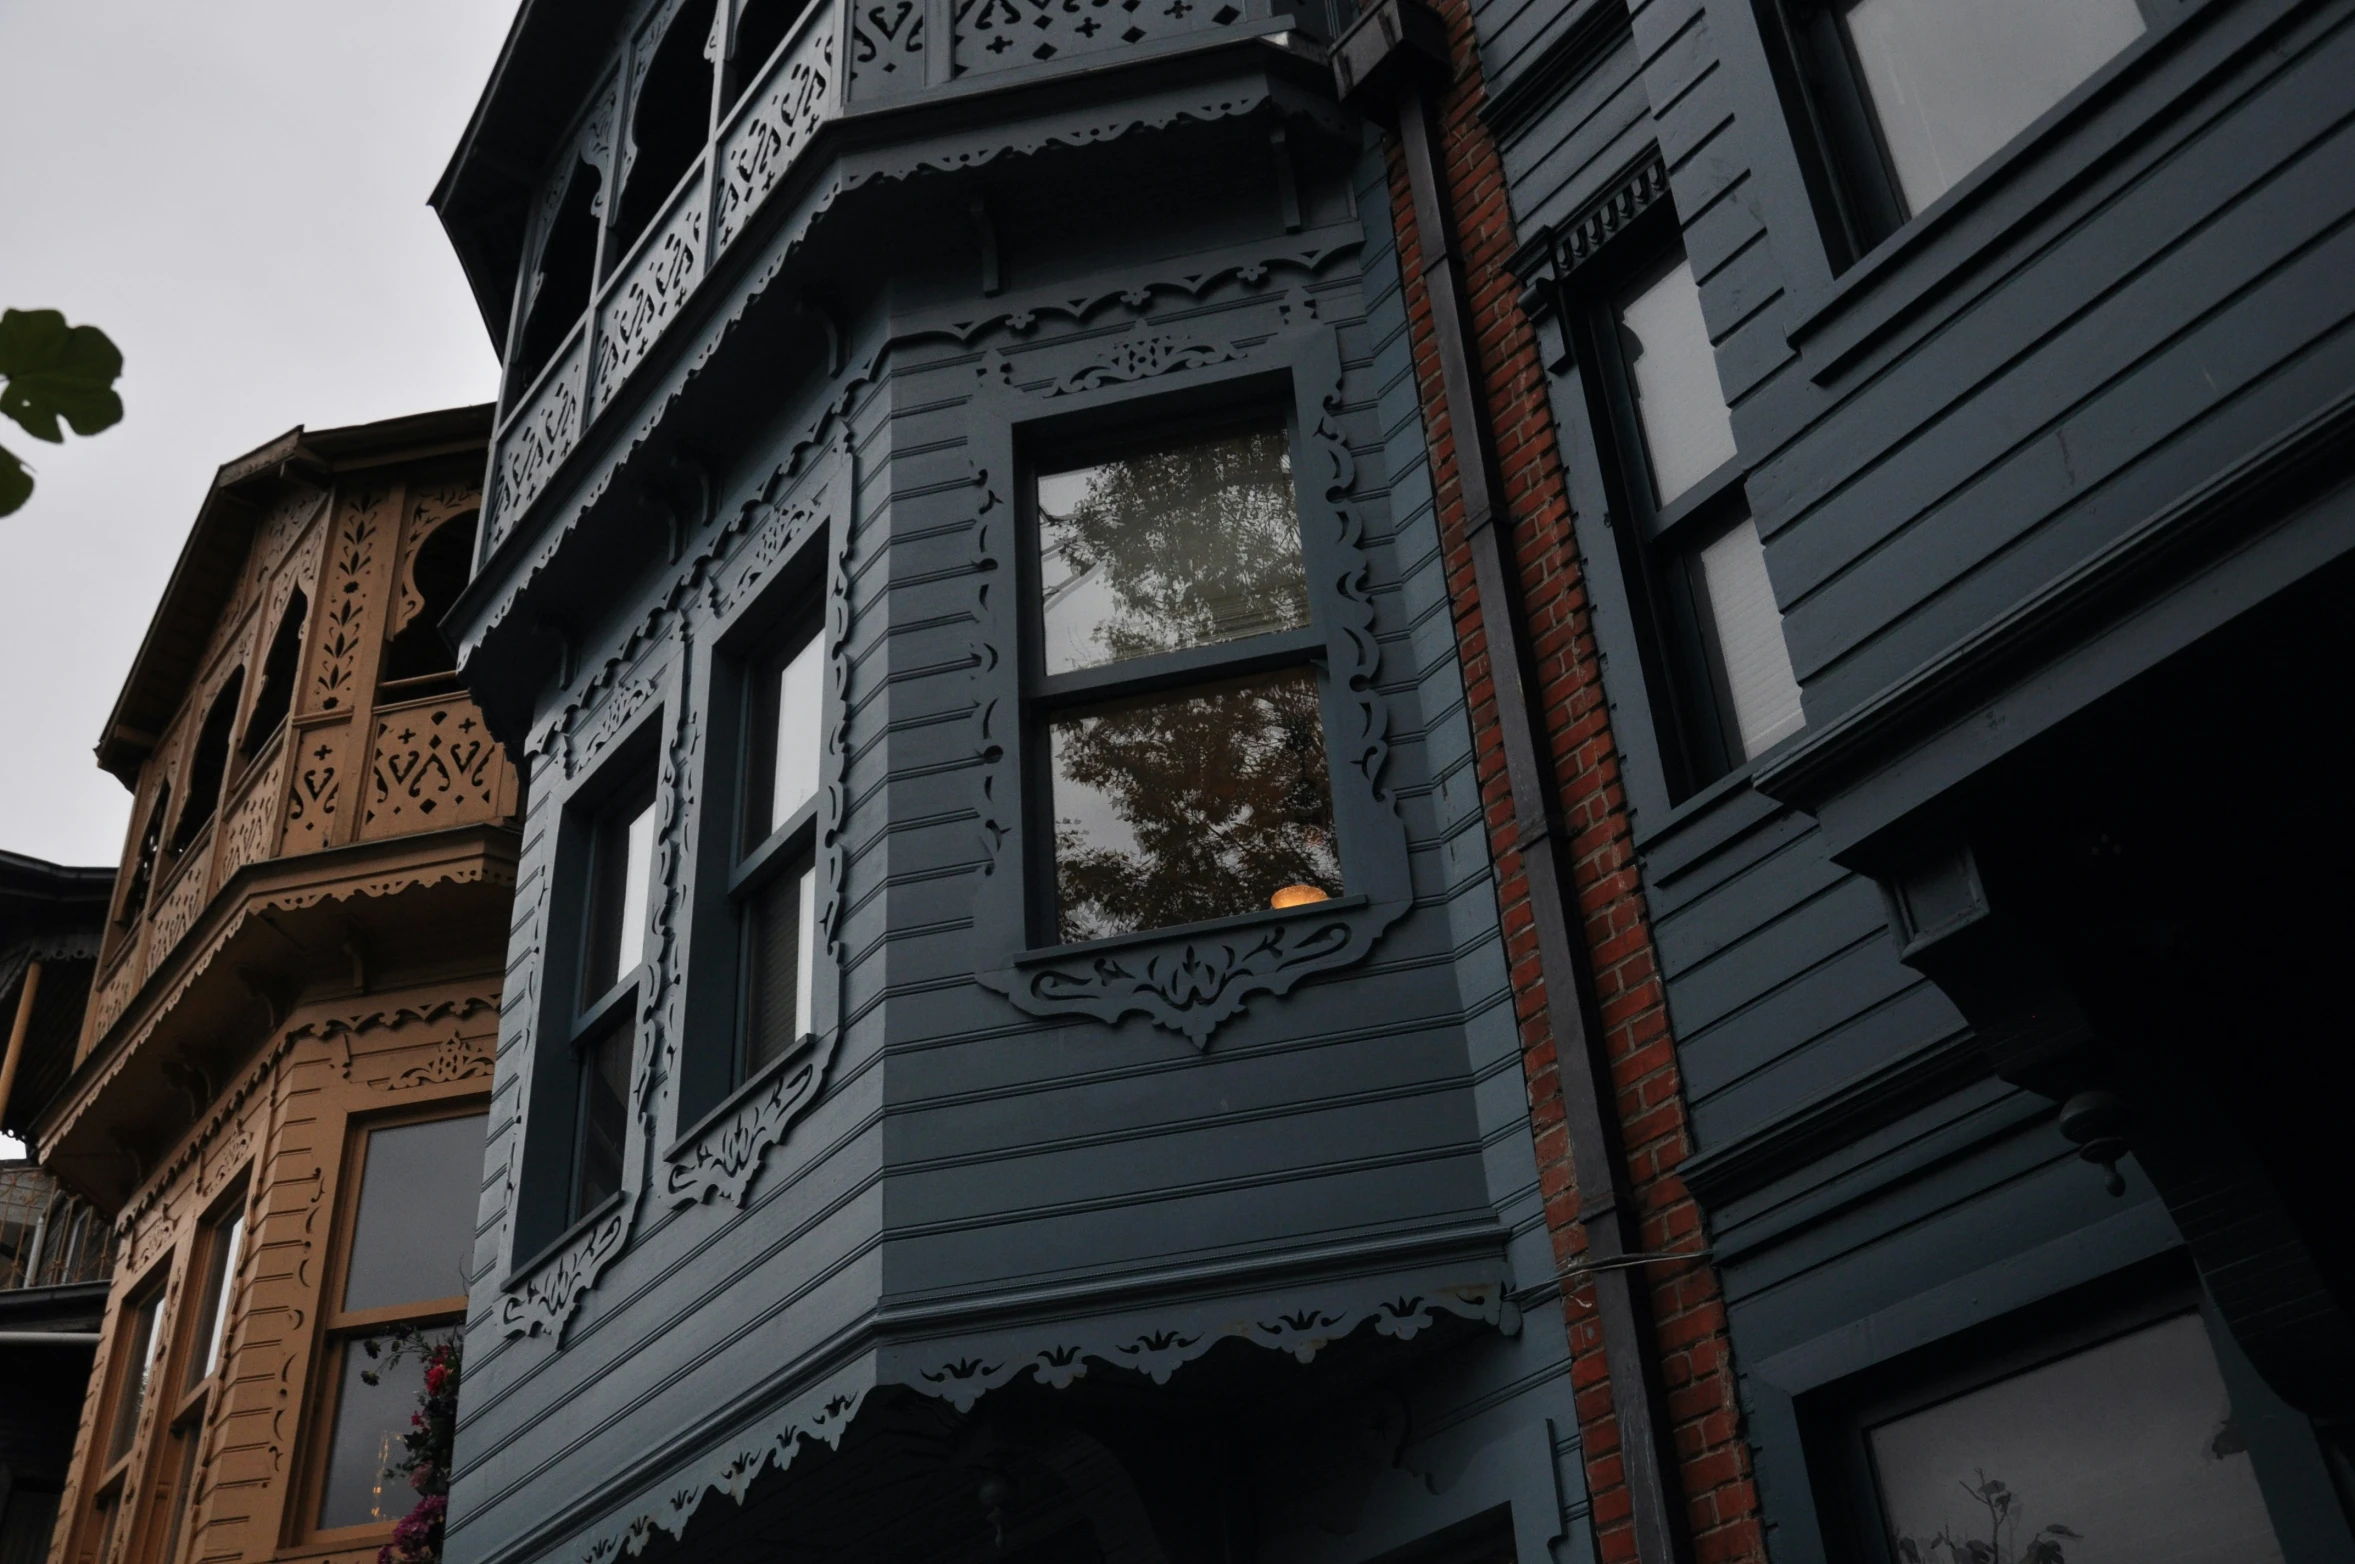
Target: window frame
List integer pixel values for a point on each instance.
(1046, 696)
(182, 1418)
(335, 1326)
(546, 1216)
(1835, 1419)
(785, 608)
(111, 1487)
(1696, 734)
(1074, 392)
(1844, 159)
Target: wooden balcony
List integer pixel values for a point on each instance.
(901, 56)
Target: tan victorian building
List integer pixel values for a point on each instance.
(278, 1093)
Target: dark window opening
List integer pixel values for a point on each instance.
(279, 670)
(1720, 674)
(210, 767)
(669, 123)
(151, 846)
(559, 293)
(2102, 1424)
(1181, 738)
(420, 661)
(775, 884)
(603, 1025)
(760, 31)
(1897, 101)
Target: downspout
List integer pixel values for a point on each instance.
(1391, 64)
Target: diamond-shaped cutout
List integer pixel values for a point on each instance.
(1225, 14)
(1132, 35)
(1045, 51)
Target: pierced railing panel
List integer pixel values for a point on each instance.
(649, 289)
(434, 765)
(541, 435)
(796, 94)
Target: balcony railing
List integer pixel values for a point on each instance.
(47, 1237)
(895, 49)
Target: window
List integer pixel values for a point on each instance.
(669, 122)
(132, 1375)
(407, 1228)
(200, 1357)
(775, 884)
(419, 662)
(1720, 673)
(279, 668)
(604, 1023)
(1174, 687)
(1904, 98)
(210, 767)
(2097, 1426)
(558, 295)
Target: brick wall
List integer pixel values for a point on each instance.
(1696, 1368)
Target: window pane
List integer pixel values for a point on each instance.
(1952, 82)
(1188, 546)
(604, 1113)
(186, 1442)
(1688, 433)
(413, 1239)
(777, 990)
(369, 1422)
(637, 875)
(220, 1270)
(142, 1343)
(2120, 1454)
(800, 734)
(1176, 808)
(1750, 638)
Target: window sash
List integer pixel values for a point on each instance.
(1058, 695)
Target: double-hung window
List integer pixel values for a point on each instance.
(1723, 689)
(603, 1031)
(136, 1375)
(405, 1241)
(774, 882)
(196, 1384)
(1174, 684)
(1901, 99)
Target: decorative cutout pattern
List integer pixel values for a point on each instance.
(1193, 986)
(351, 559)
(726, 1158)
(886, 45)
(427, 511)
(318, 790)
(993, 35)
(546, 1299)
(789, 104)
(183, 899)
(650, 293)
(541, 438)
(435, 765)
(251, 832)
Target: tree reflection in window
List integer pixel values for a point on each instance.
(1186, 748)
(1175, 548)
(1171, 811)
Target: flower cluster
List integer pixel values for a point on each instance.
(425, 1456)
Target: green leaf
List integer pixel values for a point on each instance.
(57, 371)
(16, 485)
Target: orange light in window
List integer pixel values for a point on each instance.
(1296, 896)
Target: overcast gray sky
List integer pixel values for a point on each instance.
(235, 191)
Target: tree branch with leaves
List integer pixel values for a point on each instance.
(53, 377)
